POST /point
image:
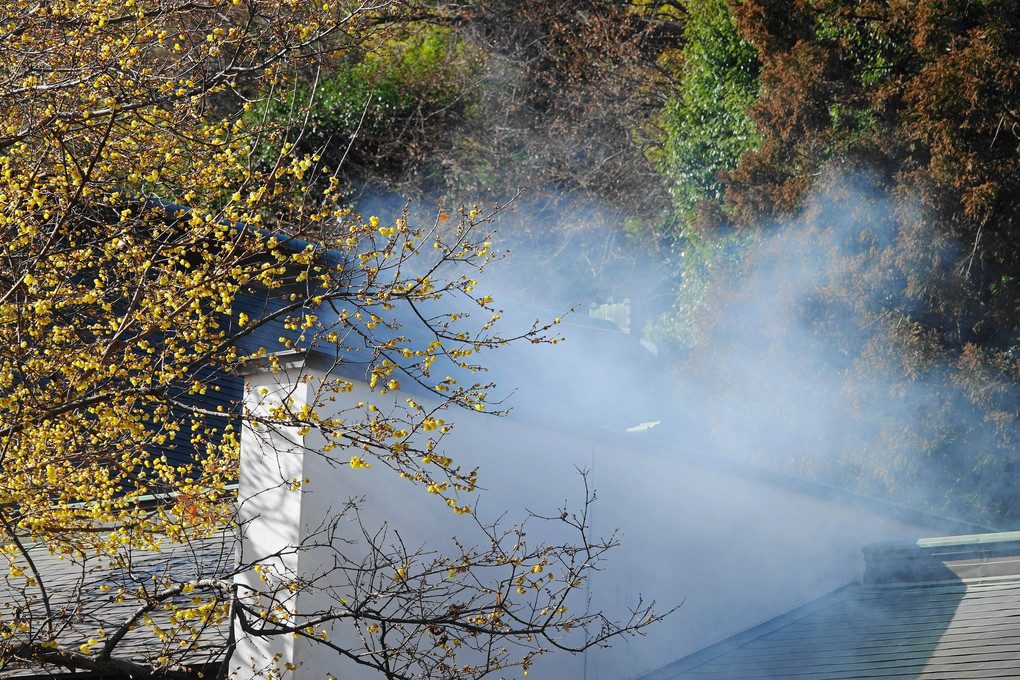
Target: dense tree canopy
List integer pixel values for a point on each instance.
(922, 92)
(883, 136)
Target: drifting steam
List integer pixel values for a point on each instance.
(812, 359)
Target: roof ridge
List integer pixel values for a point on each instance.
(882, 506)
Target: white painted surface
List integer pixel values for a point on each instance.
(269, 513)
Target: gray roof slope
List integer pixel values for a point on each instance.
(948, 627)
(73, 586)
(925, 632)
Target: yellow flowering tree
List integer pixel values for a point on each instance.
(146, 259)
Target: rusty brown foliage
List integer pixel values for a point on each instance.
(925, 92)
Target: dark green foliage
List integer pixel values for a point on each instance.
(380, 119)
(705, 120)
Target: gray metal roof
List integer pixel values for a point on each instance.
(962, 623)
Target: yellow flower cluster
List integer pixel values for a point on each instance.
(359, 463)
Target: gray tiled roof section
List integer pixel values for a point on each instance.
(931, 632)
